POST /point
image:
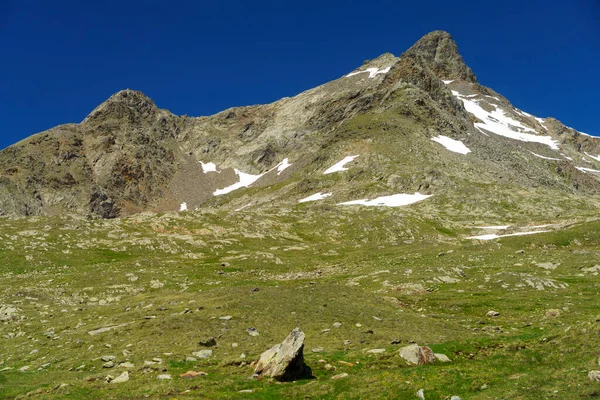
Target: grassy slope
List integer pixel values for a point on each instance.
(312, 266)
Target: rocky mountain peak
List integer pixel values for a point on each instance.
(440, 52)
(124, 103)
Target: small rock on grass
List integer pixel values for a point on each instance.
(124, 377)
(420, 394)
(594, 376)
(492, 314)
(203, 353)
(164, 377)
(417, 355)
(340, 376)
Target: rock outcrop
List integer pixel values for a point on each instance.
(285, 361)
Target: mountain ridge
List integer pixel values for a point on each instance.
(128, 155)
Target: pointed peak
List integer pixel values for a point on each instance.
(440, 52)
(123, 102)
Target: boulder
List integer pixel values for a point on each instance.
(417, 355)
(285, 361)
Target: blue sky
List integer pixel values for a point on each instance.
(60, 59)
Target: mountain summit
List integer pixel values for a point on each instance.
(392, 127)
(440, 52)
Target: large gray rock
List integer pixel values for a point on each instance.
(417, 355)
(285, 361)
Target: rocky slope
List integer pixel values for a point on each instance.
(418, 122)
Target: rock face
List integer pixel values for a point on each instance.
(285, 361)
(130, 156)
(417, 355)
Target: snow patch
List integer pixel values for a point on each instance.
(495, 227)
(597, 158)
(582, 169)
(395, 200)
(544, 157)
(245, 181)
(242, 207)
(494, 236)
(567, 157)
(283, 165)
(451, 144)
(183, 207)
(499, 123)
(208, 167)
(373, 72)
(338, 167)
(315, 197)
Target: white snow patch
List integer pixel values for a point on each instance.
(283, 165)
(542, 122)
(494, 236)
(597, 158)
(338, 167)
(448, 82)
(582, 169)
(395, 200)
(373, 72)
(544, 157)
(567, 157)
(315, 197)
(496, 227)
(208, 167)
(500, 123)
(183, 207)
(248, 179)
(451, 144)
(245, 181)
(242, 207)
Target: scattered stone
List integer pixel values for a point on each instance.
(24, 368)
(107, 358)
(325, 330)
(552, 313)
(317, 350)
(252, 331)
(191, 359)
(442, 358)
(455, 398)
(492, 314)
(329, 367)
(192, 374)
(347, 342)
(226, 318)
(340, 376)
(8, 313)
(126, 364)
(346, 363)
(285, 361)
(124, 377)
(594, 376)
(358, 325)
(164, 377)
(376, 351)
(203, 353)
(520, 252)
(246, 391)
(234, 345)
(108, 364)
(337, 324)
(420, 394)
(417, 355)
(210, 342)
(106, 329)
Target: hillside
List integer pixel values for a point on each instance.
(399, 115)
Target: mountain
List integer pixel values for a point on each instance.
(420, 122)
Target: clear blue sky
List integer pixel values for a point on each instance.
(59, 59)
